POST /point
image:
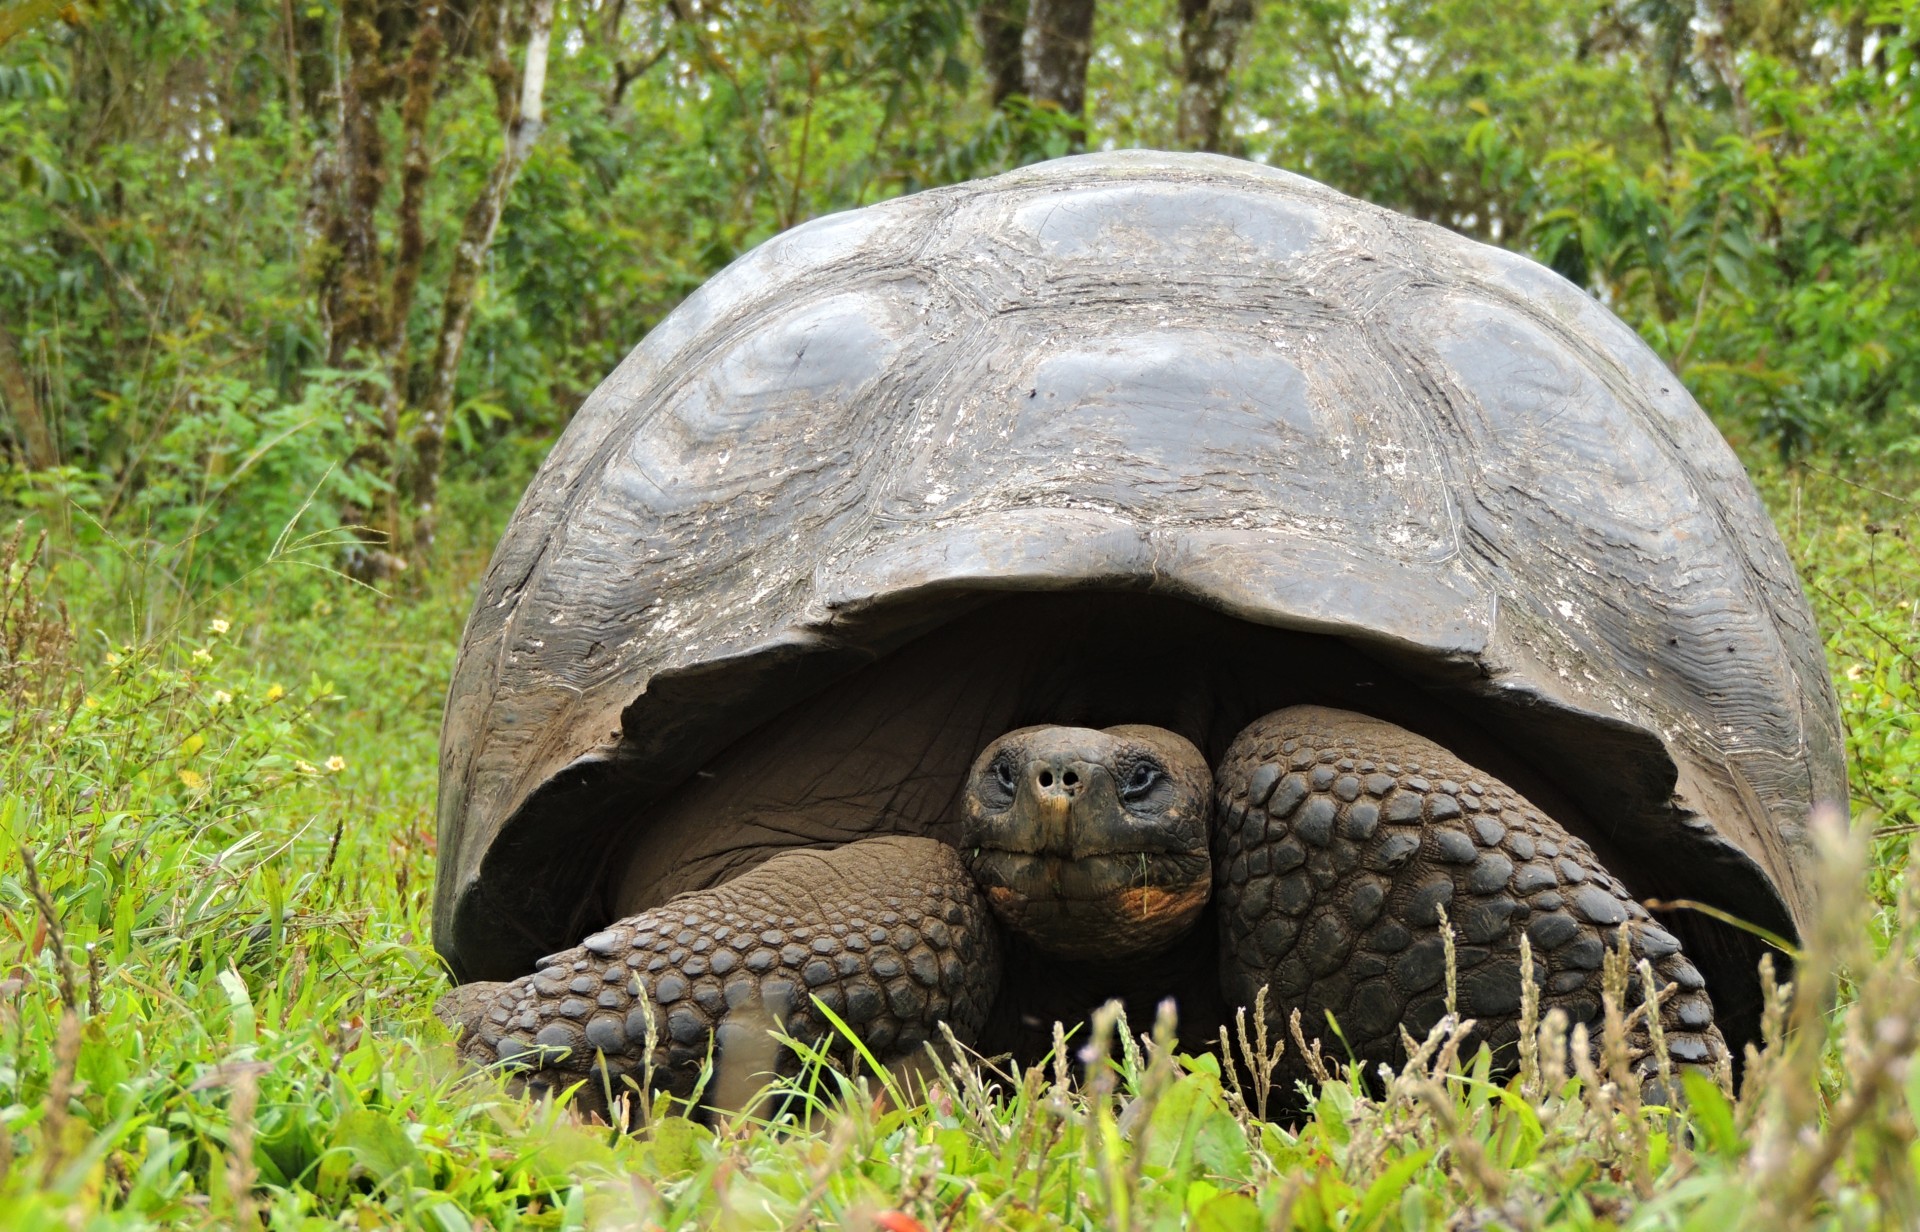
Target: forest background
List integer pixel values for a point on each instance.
(294, 296)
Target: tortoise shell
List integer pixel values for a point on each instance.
(1140, 378)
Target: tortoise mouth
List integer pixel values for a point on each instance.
(1106, 906)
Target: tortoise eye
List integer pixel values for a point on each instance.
(1140, 780)
(1003, 773)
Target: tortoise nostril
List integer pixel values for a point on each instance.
(1056, 777)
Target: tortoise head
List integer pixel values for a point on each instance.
(1091, 844)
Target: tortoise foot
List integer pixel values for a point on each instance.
(1338, 841)
(889, 934)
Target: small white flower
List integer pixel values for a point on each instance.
(221, 697)
(306, 767)
(217, 626)
(336, 764)
(202, 655)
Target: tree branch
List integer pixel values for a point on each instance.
(476, 241)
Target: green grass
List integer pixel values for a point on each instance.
(216, 855)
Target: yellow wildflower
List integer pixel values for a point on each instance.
(192, 779)
(336, 764)
(217, 626)
(306, 767)
(201, 655)
(275, 692)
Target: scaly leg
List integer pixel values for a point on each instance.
(1338, 837)
(888, 933)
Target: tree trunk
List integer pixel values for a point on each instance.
(391, 54)
(16, 385)
(350, 175)
(1000, 24)
(352, 287)
(1054, 52)
(523, 124)
(1719, 55)
(420, 75)
(1210, 33)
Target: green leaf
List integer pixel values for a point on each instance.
(366, 1144)
(1190, 1127)
(678, 1145)
(1384, 1193)
(1227, 1212)
(1711, 1115)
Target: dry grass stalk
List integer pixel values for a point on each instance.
(1130, 1059)
(36, 637)
(1655, 997)
(1260, 1055)
(1791, 1156)
(1553, 1047)
(56, 931)
(1452, 964)
(1420, 1061)
(1598, 1092)
(651, 1042)
(1378, 1126)
(96, 974)
(1616, 1056)
(240, 1174)
(1795, 1156)
(1614, 1092)
(53, 1125)
(971, 1095)
(839, 1144)
(1310, 1054)
(1762, 1062)
(1460, 1141)
(1099, 1085)
(1875, 1070)
(1136, 1121)
(1529, 1025)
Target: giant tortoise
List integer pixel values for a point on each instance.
(1136, 576)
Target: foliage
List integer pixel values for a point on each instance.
(673, 146)
(1736, 181)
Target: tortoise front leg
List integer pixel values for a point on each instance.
(1338, 837)
(888, 933)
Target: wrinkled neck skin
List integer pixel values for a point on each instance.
(1091, 845)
